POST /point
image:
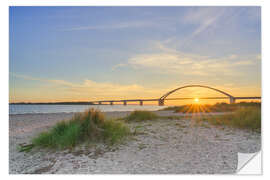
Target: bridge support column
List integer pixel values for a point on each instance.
(125, 103)
(141, 103)
(232, 100)
(161, 102)
(111, 102)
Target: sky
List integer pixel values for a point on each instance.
(100, 53)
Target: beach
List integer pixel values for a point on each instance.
(163, 146)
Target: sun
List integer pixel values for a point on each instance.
(196, 100)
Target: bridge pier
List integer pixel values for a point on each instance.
(125, 103)
(141, 103)
(111, 102)
(232, 100)
(161, 102)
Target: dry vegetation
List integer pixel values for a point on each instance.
(141, 116)
(243, 117)
(218, 107)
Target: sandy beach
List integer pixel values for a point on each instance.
(164, 146)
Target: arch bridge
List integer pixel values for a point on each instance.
(162, 99)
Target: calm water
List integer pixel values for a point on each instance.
(26, 109)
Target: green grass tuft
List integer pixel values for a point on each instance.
(114, 131)
(141, 116)
(88, 126)
(244, 118)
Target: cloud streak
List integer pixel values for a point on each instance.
(93, 90)
(115, 26)
(171, 61)
(209, 19)
(204, 18)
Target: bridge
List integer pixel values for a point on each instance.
(162, 99)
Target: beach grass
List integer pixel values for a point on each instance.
(140, 115)
(243, 118)
(90, 126)
(218, 107)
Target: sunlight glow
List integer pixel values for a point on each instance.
(196, 100)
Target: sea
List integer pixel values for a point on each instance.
(34, 109)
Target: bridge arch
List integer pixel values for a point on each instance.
(162, 98)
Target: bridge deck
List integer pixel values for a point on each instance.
(168, 99)
(164, 97)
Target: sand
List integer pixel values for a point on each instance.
(162, 146)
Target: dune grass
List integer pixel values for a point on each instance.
(89, 126)
(243, 117)
(141, 116)
(218, 107)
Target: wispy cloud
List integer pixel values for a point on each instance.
(60, 82)
(207, 19)
(203, 18)
(93, 90)
(116, 25)
(171, 61)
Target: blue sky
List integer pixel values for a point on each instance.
(89, 53)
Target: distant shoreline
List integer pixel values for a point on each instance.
(55, 103)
